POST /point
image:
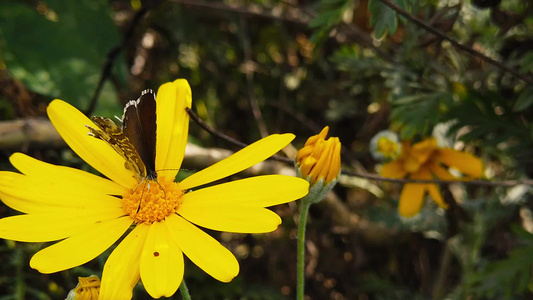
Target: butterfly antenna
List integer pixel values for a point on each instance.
(140, 201)
(148, 184)
(161, 187)
(180, 169)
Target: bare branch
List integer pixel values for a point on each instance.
(35, 132)
(359, 174)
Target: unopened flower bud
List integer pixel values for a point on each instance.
(88, 288)
(319, 162)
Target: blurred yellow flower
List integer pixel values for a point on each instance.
(426, 161)
(319, 162)
(158, 216)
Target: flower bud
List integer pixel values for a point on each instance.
(319, 162)
(88, 288)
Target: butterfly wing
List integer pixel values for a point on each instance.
(109, 132)
(139, 126)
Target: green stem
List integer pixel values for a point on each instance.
(300, 266)
(443, 273)
(184, 291)
(20, 286)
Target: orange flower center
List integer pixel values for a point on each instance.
(151, 201)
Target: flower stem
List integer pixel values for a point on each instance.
(300, 265)
(184, 291)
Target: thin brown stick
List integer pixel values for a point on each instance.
(456, 44)
(506, 183)
(212, 131)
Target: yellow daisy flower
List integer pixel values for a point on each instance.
(89, 213)
(426, 161)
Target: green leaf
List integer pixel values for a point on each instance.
(507, 277)
(58, 50)
(418, 114)
(330, 14)
(383, 18)
(524, 100)
(526, 65)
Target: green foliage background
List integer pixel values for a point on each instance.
(352, 65)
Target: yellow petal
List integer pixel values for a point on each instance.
(70, 123)
(411, 199)
(81, 247)
(161, 262)
(121, 270)
(259, 191)
(320, 170)
(203, 250)
(334, 168)
(411, 163)
(441, 172)
(433, 189)
(306, 165)
(324, 132)
(423, 150)
(466, 163)
(239, 161)
(172, 126)
(231, 218)
(435, 194)
(34, 206)
(20, 204)
(31, 194)
(393, 169)
(47, 227)
(77, 178)
(304, 152)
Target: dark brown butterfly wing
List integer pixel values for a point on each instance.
(109, 132)
(139, 126)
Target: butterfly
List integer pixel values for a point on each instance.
(135, 139)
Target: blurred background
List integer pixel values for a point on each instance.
(258, 67)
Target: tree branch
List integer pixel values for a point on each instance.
(369, 176)
(35, 132)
